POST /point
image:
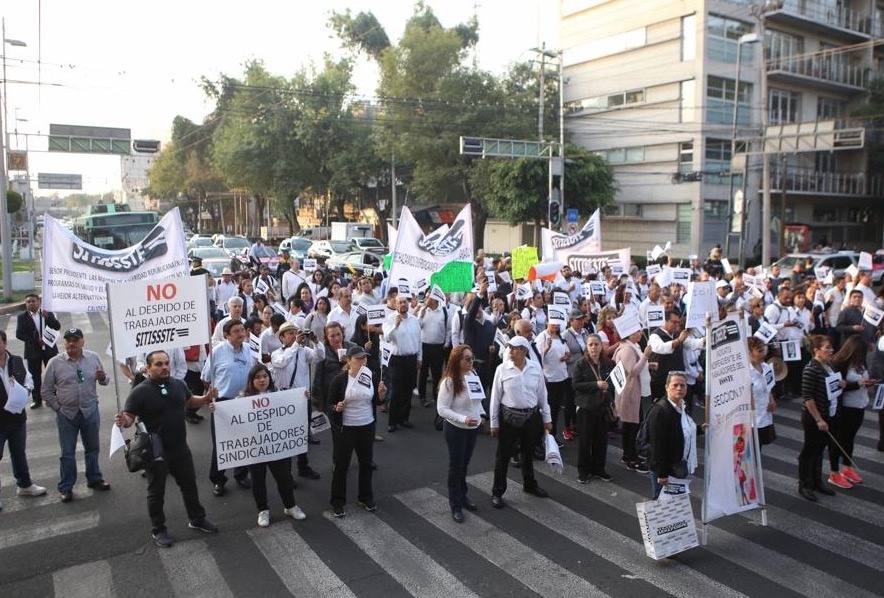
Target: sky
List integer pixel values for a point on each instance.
(113, 63)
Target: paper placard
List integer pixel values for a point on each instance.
(701, 300)
(386, 351)
(770, 377)
(505, 276)
(492, 281)
(50, 336)
(833, 391)
(872, 315)
(598, 287)
(116, 440)
(367, 271)
(523, 258)
(439, 295)
(377, 314)
(753, 281)
(255, 347)
(820, 273)
(664, 278)
(556, 314)
(278, 308)
(561, 299)
(361, 309)
(865, 261)
(681, 276)
(726, 266)
(627, 323)
(319, 422)
(853, 271)
(765, 332)
(878, 403)
(791, 350)
(261, 286)
(653, 270)
(17, 397)
(474, 385)
(309, 264)
(656, 252)
(524, 292)
(618, 269)
(656, 315)
(618, 377)
(420, 285)
(404, 288)
(674, 487)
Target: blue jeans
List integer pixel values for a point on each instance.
(461, 443)
(16, 437)
(68, 430)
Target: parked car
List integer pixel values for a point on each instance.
(297, 246)
(369, 244)
(199, 241)
(215, 259)
(328, 249)
(837, 261)
(233, 244)
(355, 263)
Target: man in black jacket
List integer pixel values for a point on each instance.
(29, 330)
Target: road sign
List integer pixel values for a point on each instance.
(89, 140)
(48, 180)
(506, 148)
(17, 160)
(572, 215)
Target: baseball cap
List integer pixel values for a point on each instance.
(519, 341)
(576, 314)
(75, 332)
(356, 352)
(722, 284)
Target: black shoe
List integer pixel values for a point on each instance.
(368, 505)
(163, 539)
(470, 505)
(338, 512)
(100, 485)
(822, 489)
(807, 493)
(457, 515)
(583, 479)
(603, 476)
(536, 491)
(309, 473)
(243, 483)
(497, 502)
(407, 424)
(219, 490)
(67, 496)
(203, 525)
(35, 405)
(392, 428)
(312, 440)
(515, 462)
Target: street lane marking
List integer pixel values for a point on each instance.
(56, 526)
(91, 580)
(192, 571)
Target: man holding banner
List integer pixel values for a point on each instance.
(160, 403)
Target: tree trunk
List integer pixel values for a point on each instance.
(480, 218)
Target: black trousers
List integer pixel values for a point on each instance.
(346, 440)
(527, 436)
(432, 359)
(195, 384)
(180, 468)
(810, 459)
(555, 392)
(592, 443)
(281, 470)
(35, 367)
(218, 476)
(847, 424)
(403, 377)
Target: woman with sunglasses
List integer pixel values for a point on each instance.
(462, 415)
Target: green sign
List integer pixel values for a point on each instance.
(454, 277)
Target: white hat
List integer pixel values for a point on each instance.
(519, 341)
(226, 271)
(721, 284)
(693, 257)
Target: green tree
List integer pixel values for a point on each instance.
(14, 201)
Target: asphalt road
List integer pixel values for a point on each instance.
(582, 541)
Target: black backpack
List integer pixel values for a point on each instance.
(643, 438)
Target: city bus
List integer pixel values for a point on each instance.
(114, 225)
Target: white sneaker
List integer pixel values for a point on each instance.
(263, 518)
(295, 513)
(32, 490)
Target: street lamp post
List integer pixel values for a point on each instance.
(748, 38)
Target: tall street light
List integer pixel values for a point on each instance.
(760, 13)
(747, 38)
(5, 241)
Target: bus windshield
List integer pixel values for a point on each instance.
(119, 237)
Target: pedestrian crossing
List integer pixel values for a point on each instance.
(582, 541)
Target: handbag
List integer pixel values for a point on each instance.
(767, 434)
(514, 417)
(139, 449)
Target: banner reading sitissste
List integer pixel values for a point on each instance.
(261, 428)
(75, 273)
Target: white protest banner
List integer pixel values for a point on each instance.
(655, 315)
(149, 315)
(50, 336)
(878, 403)
(865, 261)
(732, 463)
(791, 350)
(376, 314)
(872, 314)
(255, 347)
(627, 323)
(309, 264)
(580, 259)
(618, 377)
(765, 332)
(474, 385)
(443, 257)
(588, 239)
(261, 428)
(701, 299)
(75, 274)
(681, 276)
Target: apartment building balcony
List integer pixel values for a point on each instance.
(836, 74)
(849, 21)
(813, 182)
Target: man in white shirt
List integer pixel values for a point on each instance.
(652, 299)
(234, 307)
(402, 330)
(433, 319)
(292, 279)
(366, 294)
(344, 313)
(224, 290)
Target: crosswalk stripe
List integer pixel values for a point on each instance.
(296, 564)
(530, 568)
(676, 579)
(55, 526)
(192, 571)
(412, 568)
(758, 558)
(90, 580)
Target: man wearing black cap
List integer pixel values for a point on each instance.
(69, 390)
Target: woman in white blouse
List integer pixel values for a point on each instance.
(555, 355)
(462, 414)
(761, 395)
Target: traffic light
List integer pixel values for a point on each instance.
(555, 210)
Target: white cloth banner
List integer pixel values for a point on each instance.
(75, 273)
(158, 314)
(732, 463)
(588, 239)
(261, 428)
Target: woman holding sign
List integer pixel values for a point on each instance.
(763, 381)
(463, 412)
(350, 397)
(850, 361)
(820, 389)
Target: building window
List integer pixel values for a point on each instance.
(828, 108)
(605, 102)
(722, 37)
(720, 101)
(624, 210)
(782, 106)
(683, 223)
(686, 157)
(782, 46)
(624, 155)
(688, 38)
(715, 209)
(688, 105)
(717, 165)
